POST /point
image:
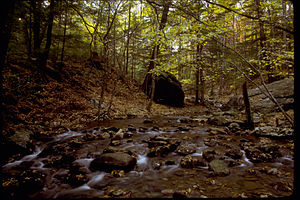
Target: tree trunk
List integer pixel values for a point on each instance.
(197, 86)
(247, 107)
(36, 7)
(65, 31)
(45, 53)
(199, 76)
(155, 50)
(127, 44)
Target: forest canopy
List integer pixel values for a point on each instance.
(198, 36)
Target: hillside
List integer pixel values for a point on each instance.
(73, 101)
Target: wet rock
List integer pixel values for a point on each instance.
(111, 149)
(117, 173)
(89, 136)
(64, 160)
(75, 143)
(234, 152)
(128, 135)
(209, 154)
(112, 128)
(256, 156)
(156, 165)
(148, 121)
(161, 146)
(111, 161)
(142, 129)
(155, 143)
(244, 140)
(192, 162)
(131, 129)
(104, 136)
(170, 162)
(231, 162)
(265, 151)
(217, 120)
(19, 143)
(11, 149)
(283, 186)
(186, 149)
(180, 128)
(211, 142)
(24, 184)
(117, 193)
(217, 131)
(155, 128)
(186, 120)
(161, 151)
(274, 132)
(76, 179)
(167, 191)
(22, 137)
(119, 135)
(115, 143)
(219, 168)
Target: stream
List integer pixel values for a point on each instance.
(174, 158)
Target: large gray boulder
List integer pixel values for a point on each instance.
(282, 90)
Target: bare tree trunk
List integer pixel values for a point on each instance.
(45, 54)
(127, 45)
(197, 86)
(37, 40)
(199, 76)
(65, 31)
(250, 123)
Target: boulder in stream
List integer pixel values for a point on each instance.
(192, 162)
(111, 161)
(219, 168)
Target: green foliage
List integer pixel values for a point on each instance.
(102, 26)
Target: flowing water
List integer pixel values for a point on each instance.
(153, 176)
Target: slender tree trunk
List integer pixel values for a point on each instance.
(247, 107)
(36, 7)
(42, 60)
(199, 76)
(202, 85)
(127, 44)
(197, 86)
(262, 40)
(27, 38)
(65, 31)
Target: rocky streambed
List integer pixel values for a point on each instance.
(156, 157)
